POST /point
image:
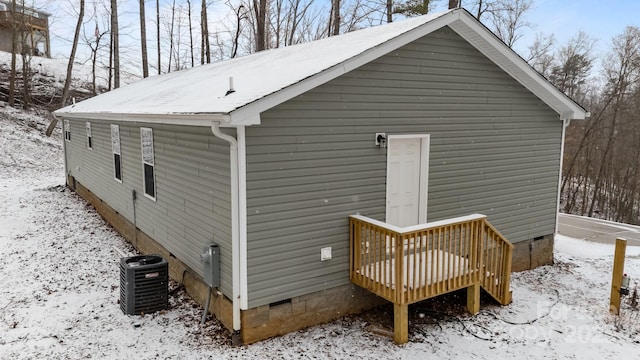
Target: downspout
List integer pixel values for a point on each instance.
(242, 215)
(235, 228)
(64, 148)
(565, 124)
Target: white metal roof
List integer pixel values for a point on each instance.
(197, 96)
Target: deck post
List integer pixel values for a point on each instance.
(400, 323)
(473, 298)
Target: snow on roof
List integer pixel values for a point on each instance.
(267, 78)
(202, 89)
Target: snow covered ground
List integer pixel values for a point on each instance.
(59, 292)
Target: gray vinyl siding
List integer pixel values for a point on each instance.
(193, 201)
(495, 149)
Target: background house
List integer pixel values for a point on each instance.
(31, 25)
(268, 155)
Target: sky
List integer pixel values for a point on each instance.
(601, 19)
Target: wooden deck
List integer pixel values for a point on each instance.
(22, 21)
(411, 264)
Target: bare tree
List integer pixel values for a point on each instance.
(540, 55)
(239, 16)
(115, 44)
(94, 47)
(143, 40)
(74, 46)
(509, 19)
(622, 73)
(573, 65)
(602, 155)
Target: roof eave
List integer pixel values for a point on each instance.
(186, 119)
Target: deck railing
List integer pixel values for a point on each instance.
(497, 254)
(410, 264)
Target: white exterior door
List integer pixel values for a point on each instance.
(407, 174)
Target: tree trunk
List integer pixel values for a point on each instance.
(260, 9)
(389, 11)
(26, 72)
(453, 4)
(14, 49)
(190, 34)
(158, 36)
(115, 43)
(143, 40)
(234, 48)
(74, 46)
(204, 23)
(336, 17)
(110, 61)
(173, 17)
(94, 56)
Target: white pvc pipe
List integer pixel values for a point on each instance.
(235, 229)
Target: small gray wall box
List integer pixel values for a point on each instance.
(211, 260)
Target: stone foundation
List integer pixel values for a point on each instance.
(301, 312)
(530, 254)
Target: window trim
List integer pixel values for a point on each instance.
(67, 130)
(89, 135)
(151, 163)
(116, 150)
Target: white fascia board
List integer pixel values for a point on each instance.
(250, 114)
(243, 117)
(166, 119)
(494, 49)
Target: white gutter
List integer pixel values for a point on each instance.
(188, 119)
(235, 228)
(565, 124)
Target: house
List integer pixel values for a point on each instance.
(316, 164)
(32, 28)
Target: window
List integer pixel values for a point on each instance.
(115, 147)
(146, 141)
(89, 139)
(67, 130)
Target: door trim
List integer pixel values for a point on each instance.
(425, 143)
